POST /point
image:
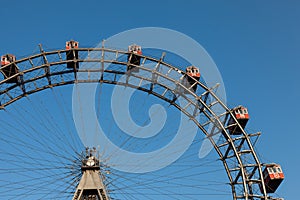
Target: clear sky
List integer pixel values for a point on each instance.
(255, 44)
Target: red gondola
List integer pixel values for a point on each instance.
(273, 176)
(72, 53)
(9, 68)
(7, 59)
(72, 45)
(188, 81)
(133, 57)
(193, 72)
(242, 116)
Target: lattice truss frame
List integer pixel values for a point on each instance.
(156, 77)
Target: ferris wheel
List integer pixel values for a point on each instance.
(42, 155)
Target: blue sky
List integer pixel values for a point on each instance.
(255, 44)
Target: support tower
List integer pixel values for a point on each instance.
(91, 186)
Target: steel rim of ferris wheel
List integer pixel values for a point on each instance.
(242, 166)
